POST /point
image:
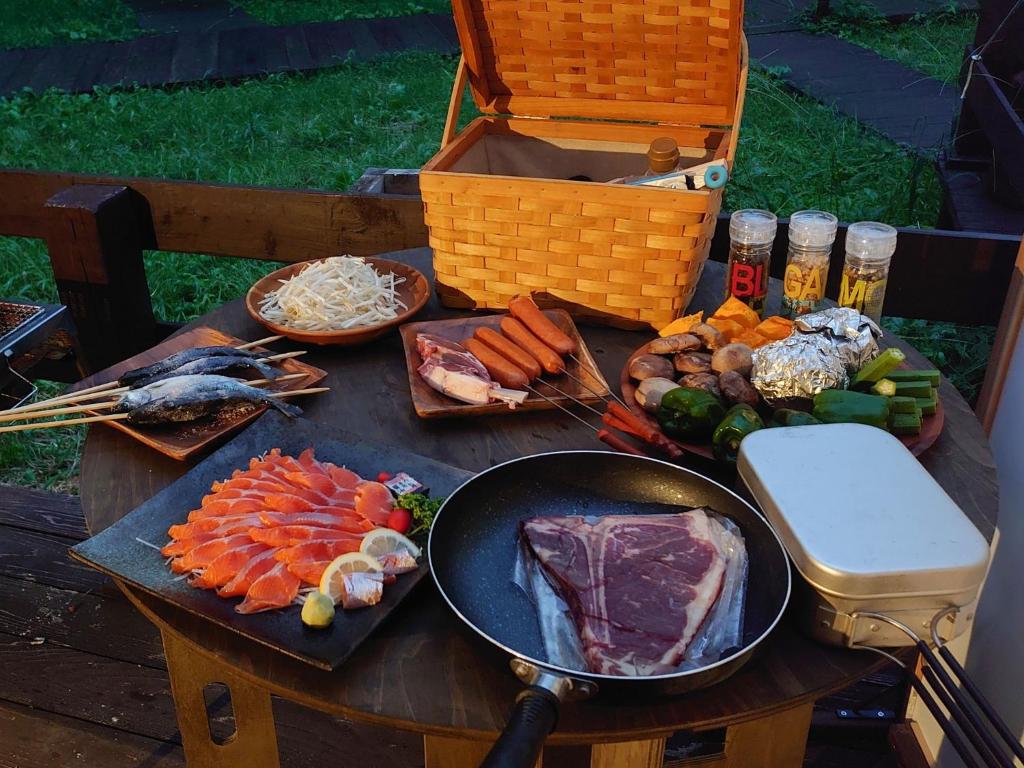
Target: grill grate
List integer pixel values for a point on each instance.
(13, 316)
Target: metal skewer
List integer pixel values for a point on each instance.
(587, 368)
(566, 394)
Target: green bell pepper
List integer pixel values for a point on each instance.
(790, 417)
(689, 413)
(739, 421)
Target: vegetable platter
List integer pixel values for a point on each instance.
(127, 550)
(694, 384)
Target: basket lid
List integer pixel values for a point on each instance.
(647, 60)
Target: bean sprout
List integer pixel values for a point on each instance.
(334, 295)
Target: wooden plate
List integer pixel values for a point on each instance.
(181, 441)
(118, 552)
(431, 404)
(931, 426)
(414, 293)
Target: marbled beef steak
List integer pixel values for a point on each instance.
(638, 587)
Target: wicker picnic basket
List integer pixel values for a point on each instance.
(504, 216)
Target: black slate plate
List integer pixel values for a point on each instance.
(116, 551)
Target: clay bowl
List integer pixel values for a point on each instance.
(414, 293)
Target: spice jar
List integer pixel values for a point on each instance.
(811, 234)
(869, 249)
(751, 233)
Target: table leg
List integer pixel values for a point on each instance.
(778, 741)
(628, 754)
(254, 742)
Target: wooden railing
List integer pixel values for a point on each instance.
(96, 229)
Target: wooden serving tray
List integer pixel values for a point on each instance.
(181, 441)
(931, 426)
(431, 404)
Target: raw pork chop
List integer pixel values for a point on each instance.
(638, 587)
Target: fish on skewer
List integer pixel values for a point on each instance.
(210, 365)
(187, 398)
(179, 359)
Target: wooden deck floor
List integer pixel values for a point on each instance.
(83, 681)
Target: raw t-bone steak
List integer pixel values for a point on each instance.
(638, 587)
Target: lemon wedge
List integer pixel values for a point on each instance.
(317, 611)
(351, 562)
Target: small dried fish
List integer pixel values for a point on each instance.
(178, 359)
(213, 364)
(187, 398)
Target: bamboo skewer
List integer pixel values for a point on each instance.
(63, 410)
(63, 422)
(294, 392)
(112, 388)
(259, 342)
(56, 411)
(120, 416)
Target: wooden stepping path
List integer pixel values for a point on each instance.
(221, 54)
(904, 105)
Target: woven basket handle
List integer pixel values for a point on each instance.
(455, 105)
(741, 93)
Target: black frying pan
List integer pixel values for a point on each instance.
(472, 551)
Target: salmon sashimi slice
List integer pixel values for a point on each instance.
(374, 502)
(276, 588)
(224, 567)
(203, 555)
(181, 546)
(246, 484)
(349, 521)
(222, 526)
(344, 478)
(248, 573)
(320, 483)
(317, 550)
(308, 462)
(290, 535)
(227, 507)
(281, 502)
(309, 571)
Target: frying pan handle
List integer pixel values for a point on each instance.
(533, 718)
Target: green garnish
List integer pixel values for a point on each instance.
(423, 508)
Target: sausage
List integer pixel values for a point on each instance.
(506, 373)
(517, 332)
(509, 350)
(529, 314)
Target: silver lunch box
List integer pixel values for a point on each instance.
(868, 529)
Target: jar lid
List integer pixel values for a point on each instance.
(871, 241)
(812, 229)
(663, 154)
(752, 226)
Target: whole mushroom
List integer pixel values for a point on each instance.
(692, 362)
(733, 357)
(650, 366)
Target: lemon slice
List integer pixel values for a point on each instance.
(350, 562)
(384, 541)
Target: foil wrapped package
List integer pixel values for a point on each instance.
(821, 353)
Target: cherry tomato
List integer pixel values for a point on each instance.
(399, 519)
(383, 477)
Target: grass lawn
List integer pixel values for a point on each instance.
(322, 130)
(297, 11)
(28, 23)
(933, 44)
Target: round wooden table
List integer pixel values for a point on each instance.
(421, 671)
